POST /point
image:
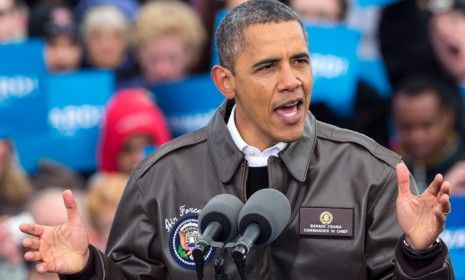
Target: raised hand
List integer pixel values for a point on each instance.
(62, 249)
(422, 217)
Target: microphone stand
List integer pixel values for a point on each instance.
(220, 266)
(220, 263)
(199, 262)
(240, 261)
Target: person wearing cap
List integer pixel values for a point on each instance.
(132, 122)
(105, 31)
(56, 24)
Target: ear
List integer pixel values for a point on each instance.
(224, 81)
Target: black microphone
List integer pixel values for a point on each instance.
(261, 220)
(217, 223)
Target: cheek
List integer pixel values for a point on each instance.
(120, 45)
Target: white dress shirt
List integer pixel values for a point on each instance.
(254, 156)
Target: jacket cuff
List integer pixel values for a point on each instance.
(420, 263)
(88, 270)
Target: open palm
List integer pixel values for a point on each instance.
(422, 217)
(61, 249)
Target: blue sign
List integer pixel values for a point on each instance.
(75, 106)
(454, 236)
(335, 66)
(374, 73)
(188, 104)
(364, 3)
(22, 100)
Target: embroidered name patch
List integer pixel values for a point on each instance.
(183, 237)
(338, 222)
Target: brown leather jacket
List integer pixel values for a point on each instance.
(329, 170)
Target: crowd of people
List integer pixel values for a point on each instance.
(421, 42)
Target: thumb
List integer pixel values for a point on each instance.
(71, 208)
(403, 180)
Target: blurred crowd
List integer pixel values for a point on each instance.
(421, 43)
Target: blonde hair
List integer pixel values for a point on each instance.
(15, 187)
(104, 15)
(159, 18)
(104, 192)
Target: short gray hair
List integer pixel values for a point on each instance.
(230, 33)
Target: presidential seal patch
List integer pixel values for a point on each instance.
(183, 237)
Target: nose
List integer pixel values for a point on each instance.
(288, 79)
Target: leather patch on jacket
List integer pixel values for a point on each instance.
(325, 221)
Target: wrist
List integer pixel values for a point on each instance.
(408, 244)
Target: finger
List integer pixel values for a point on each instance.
(33, 256)
(41, 267)
(445, 188)
(32, 229)
(31, 243)
(403, 180)
(435, 186)
(445, 203)
(440, 216)
(71, 208)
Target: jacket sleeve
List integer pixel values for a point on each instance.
(385, 257)
(132, 244)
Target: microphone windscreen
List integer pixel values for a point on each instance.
(223, 208)
(270, 210)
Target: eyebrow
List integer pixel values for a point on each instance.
(301, 55)
(267, 61)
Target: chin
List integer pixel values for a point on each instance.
(290, 136)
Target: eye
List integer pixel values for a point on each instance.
(302, 60)
(266, 67)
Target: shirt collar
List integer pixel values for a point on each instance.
(253, 155)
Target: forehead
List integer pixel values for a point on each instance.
(426, 103)
(272, 37)
(450, 15)
(315, 5)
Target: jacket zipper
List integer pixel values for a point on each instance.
(244, 180)
(270, 161)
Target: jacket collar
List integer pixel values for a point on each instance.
(227, 157)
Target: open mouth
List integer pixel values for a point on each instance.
(289, 112)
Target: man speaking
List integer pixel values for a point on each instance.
(353, 213)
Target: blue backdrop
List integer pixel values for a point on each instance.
(454, 236)
(364, 3)
(74, 109)
(188, 104)
(22, 97)
(335, 65)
